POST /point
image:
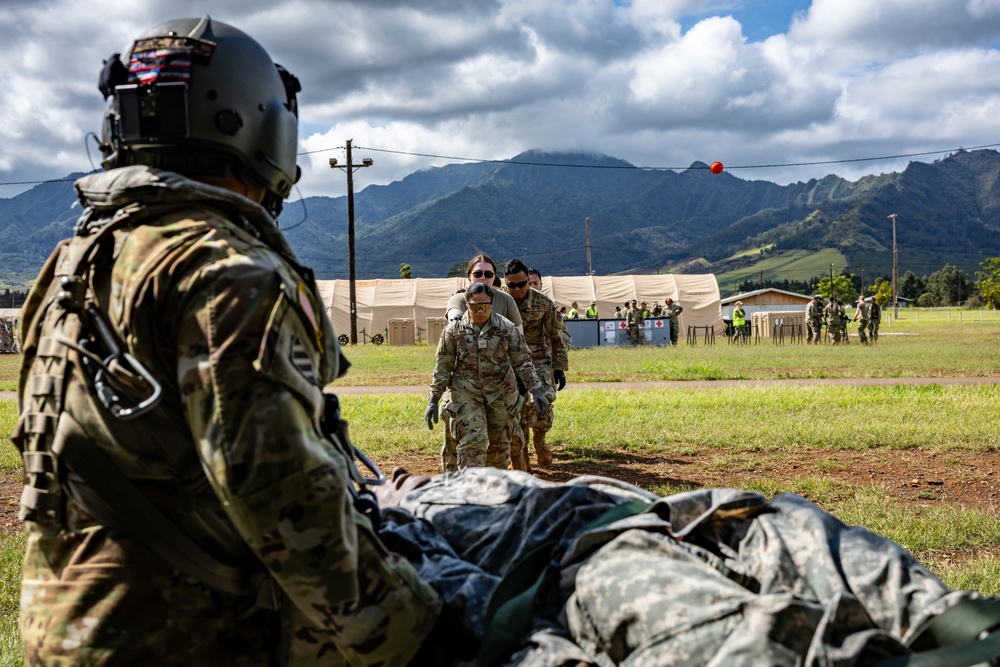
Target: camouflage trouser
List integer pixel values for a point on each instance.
(675, 331)
(834, 329)
(843, 332)
(873, 325)
(813, 328)
(636, 335)
(477, 433)
(862, 328)
(529, 420)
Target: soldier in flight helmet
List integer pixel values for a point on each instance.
(188, 495)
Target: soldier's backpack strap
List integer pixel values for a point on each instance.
(952, 639)
(508, 617)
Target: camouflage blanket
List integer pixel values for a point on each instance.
(715, 576)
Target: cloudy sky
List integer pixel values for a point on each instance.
(660, 83)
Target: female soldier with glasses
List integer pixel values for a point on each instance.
(479, 361)
(482, 269)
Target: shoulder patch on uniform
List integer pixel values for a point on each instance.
(305, 304)
(302, 360)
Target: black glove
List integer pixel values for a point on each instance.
(541, 403)
(560, 378)
(431, 413)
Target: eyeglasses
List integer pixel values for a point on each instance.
(520, 285)
(479, 307)
(483, 274)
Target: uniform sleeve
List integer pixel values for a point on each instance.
(444, 364)
(556, 341)
(520, 359)
(457, 300)
(247, 368)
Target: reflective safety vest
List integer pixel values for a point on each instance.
(591, 313)
(739, 317)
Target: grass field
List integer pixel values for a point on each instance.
(802, 263)
(823, 439)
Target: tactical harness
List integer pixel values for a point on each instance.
(61, 460)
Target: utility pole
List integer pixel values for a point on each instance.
(832, 291)
(350, 168)
(895, 271)
(586, 224)
(762, 279)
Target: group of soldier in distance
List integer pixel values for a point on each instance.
(832, 316)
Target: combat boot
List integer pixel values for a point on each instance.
(517, 459)
(541, 449)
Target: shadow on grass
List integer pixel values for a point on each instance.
(631, 467)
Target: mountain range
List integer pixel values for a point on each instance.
(535, 206)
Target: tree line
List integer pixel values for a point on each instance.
(948, 286)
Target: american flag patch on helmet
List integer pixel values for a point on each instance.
(160, 66)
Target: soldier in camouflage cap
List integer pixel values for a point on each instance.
(480, 359)
(175, 354)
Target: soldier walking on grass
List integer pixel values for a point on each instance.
(550, 356)
(861, 317)
(814, 319)
(834, 322)
(874, 320)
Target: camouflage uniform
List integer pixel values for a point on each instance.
(673, 311)
(814, 321)
(874, 320)
(203, 291)
(479, 368)
(633, 324)
(706, 577)
(833, 320)
(543, 335)
(861, 317)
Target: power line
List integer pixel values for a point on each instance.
(629, 167)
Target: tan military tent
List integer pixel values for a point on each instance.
(378, 301)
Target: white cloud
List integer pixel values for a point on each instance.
(849, 78)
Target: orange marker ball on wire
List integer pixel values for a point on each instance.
(716, 168)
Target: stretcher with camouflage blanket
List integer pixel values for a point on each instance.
(596, 572)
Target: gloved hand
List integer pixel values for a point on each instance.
(541, 403)
(398, 485)
(431, 412)
(560, 378)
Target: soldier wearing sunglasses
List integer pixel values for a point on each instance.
(482, 269)
(480, 359)
(549, 354)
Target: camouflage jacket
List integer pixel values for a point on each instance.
(633, 317)
(834, 313)
(814, 311)
(543, 331)
(483, 362)
(203, 291)
(673, 312)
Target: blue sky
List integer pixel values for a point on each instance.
(659, 83)
(760, 18)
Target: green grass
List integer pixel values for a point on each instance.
(10, 366)
(11, 552)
